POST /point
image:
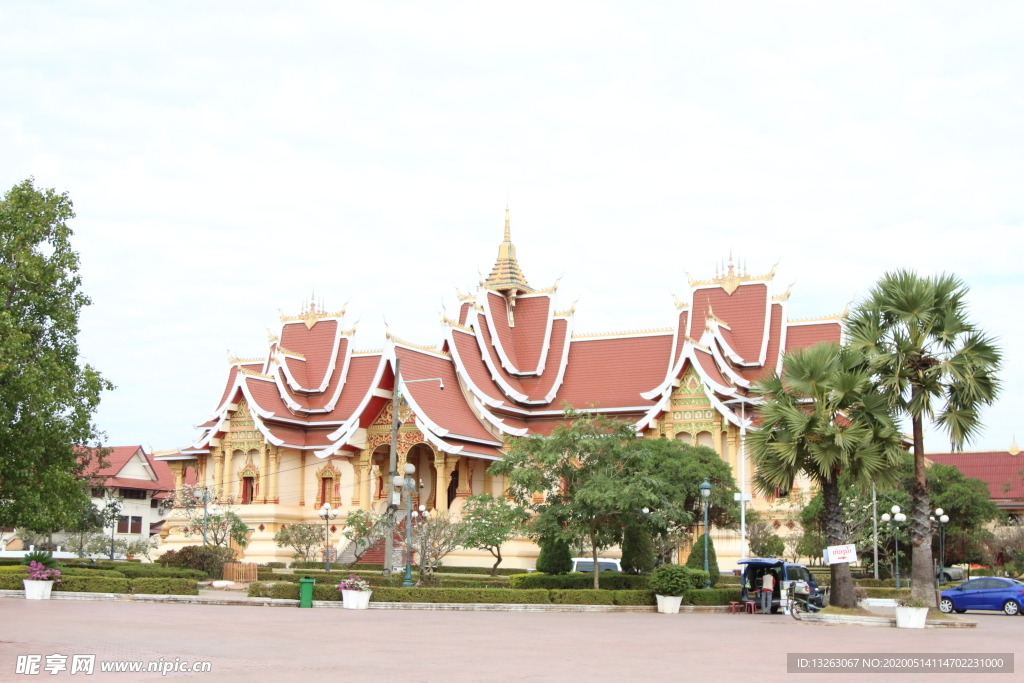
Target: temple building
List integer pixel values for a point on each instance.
(310, 422)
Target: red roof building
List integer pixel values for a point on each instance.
(309, 422)
(1002, 471)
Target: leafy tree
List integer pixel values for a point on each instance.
(824, 418)
(763, 541)
(932, 363)
(696, 558)
(554, 557)
(206, 558)
(90, 520)
(221, 523)
(363, 529)
(110, 513)
(303, 539)
(48, 397)
(141, 546)
(596, 480)
(490, 522)
(637, 550)
(435, 535)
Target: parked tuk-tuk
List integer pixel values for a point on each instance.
(754, 569)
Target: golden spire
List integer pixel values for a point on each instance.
(506, 273)
(1014, 448)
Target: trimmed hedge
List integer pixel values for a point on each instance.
(886, 592)
(149, 571)
(369, 566)
(462, 595)
(82, 571)
(582, 597)
(729, 580)
(712, 596)
(14, 570)
(634, 598)
(165, 586)
(93, 584)
(579, 581)
(275, 565)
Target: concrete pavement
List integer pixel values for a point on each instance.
(254, 644)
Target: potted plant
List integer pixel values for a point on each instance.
(669, 582)
(40, 581)
(355, 593)
(911, 613)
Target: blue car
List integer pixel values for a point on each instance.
(984, 593)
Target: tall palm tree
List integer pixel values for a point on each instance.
(824, 418)
(932, 363)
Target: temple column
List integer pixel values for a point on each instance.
(465, 487)
(441, 482)
(357, 479)
(302, 477)
(275, 465)
(264, 475)
(178, 470)
(365, 495)
(218, 473)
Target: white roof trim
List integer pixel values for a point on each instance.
(460, 368)
(496, 421)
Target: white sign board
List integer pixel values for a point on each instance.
(838, 554)
(741, 496)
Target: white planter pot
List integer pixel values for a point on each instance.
(355, 599)
(669, 604)
(911, 617)
(37, 590)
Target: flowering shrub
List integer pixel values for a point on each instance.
(353, 583)
(39, 572)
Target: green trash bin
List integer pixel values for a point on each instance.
(306, 591)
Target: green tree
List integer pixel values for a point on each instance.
(932, 363)
(89, 521)
(696, 558)
(489, 523)
(637, 550)
(363, 529)
(823, 417)
(110, 513)
(594, 479)
(763, 540)
(48, 397)
(554, 557)
(304, 539)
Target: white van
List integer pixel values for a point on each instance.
(586, 564)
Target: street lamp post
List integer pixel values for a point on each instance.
(897, 518)
(705, 491)
(407, 484)
(203, 494)
(328, 515)
(393, 476)
(942, 520)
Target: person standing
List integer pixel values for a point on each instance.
(767, 589)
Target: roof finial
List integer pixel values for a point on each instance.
(1014, 448)
(508, 226)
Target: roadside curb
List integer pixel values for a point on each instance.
(883, 622)
(336, 604)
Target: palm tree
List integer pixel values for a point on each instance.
(824, 418)
(932, 363)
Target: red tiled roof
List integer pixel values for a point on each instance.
(998, 469)
(119, 457)
(447, 407)
(497, 313)
(710, 367)
(316, 344)
(466, 350)
(771, 358)
(681, 333)
(318, 401)
(744, 311)
(612, 373)
(538, 387)
(800, 336)
(531, 331)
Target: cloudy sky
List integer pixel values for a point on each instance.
(226, 159)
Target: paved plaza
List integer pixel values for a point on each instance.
(256, 644)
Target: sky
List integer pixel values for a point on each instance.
(228, 159)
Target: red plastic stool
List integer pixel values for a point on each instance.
(750, 607)
(734, 608)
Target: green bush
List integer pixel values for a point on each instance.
(675, 579)
(696, 558)
(729, 579)
(275, 565)
(555, 556)
(712, 596)
(637, 550)
(582, 597)
(93, 584)
(981, 572)
(42, 557)
(209, 559)
(883, 593)
(12, 582)
(149, 571)
(462, 595)
(165, 586)
(82, 571)
(8, 561)
(634, 597)
(579, 581)
(15, 570)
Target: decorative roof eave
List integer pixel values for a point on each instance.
(347, 430)
(331, 365)
(731, 281)
(312, 316)
(664, 403)
(506, 362)
(452, 323)
(680, 305)
(725, 368)
(232, 360)
(496, 377)
(395, 341)
(620, 335)
(460, 369)
(835, 318)
(708, 381)
(496, 421)
(563, 363)
(785, 295)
